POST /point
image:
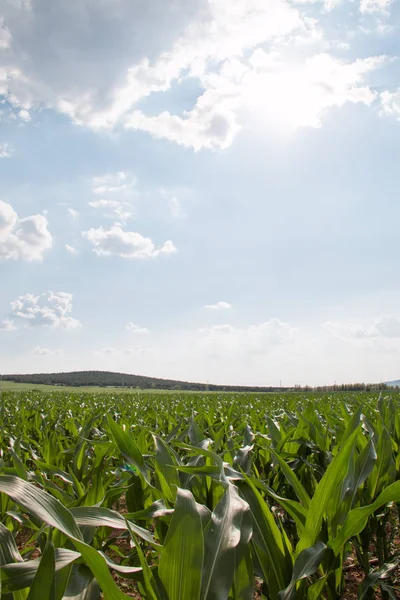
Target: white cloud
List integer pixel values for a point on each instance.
(24, 115)
(219, 30)
(288, 95)
(20, 4)
(219, 305)
(115, 209)
(113, 183)
(71, 249)
(374, 6)
(39, 351)
(209, 42)
(26, 238)
(5, 35)
(201, 128)
(390, 104)
(385, 326)
(73, 213)
(328, 4)
(7, 325)
(127, 244)
(49, 309)
(136, 328)
(256, 339)
(5, 150)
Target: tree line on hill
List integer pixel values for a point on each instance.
(108, 379)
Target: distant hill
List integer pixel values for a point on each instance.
(395, 383)
(109, 379)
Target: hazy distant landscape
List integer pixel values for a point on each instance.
(123, 380)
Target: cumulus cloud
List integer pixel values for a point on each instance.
(390, 104)
(127, 244)
(374, 6)
(50, 309)
(26, 238)
(5, 150)
(256, 339)
(208, 43)
(5, 36)
(385, 326)
(39, 351)
(112, 183)
(219, 305)
(136, 328)
(24, 115)
(114, 209)
(119, 187)
(71, 249)
(291, 95)
(73, 213)
(203, 127)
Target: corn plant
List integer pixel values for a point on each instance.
(198, 496)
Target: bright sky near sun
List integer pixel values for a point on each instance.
(201, 190)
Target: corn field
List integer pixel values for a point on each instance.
(199, 496)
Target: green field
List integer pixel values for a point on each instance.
(198, 496)
(12, 385)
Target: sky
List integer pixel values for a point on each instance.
(203, 190)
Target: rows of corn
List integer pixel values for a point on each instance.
(198, 497)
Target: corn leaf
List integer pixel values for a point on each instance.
(181, 561)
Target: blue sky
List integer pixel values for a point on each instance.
(204, 191)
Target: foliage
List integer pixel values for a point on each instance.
(199, 496)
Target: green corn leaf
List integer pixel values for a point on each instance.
(52, 512)
(291, 477)
(268, 542)
(166, 463)
(181, 561)
(364, 589)
(54, 471)
(125, 569)
(384, 462)
(327, 489)
(148, 576)
(82, 585)
(243, 581)
(9, 552)
(93, 516)
(352, 425)
(306, 564)
(157, 509)
(315, 590)
(128, 448)
(364, 465)
(222, 535)
(43, 585)
(40, 504)
(293, 508)
(357, 518)
(17, 576)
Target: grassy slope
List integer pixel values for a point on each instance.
(11, 385)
